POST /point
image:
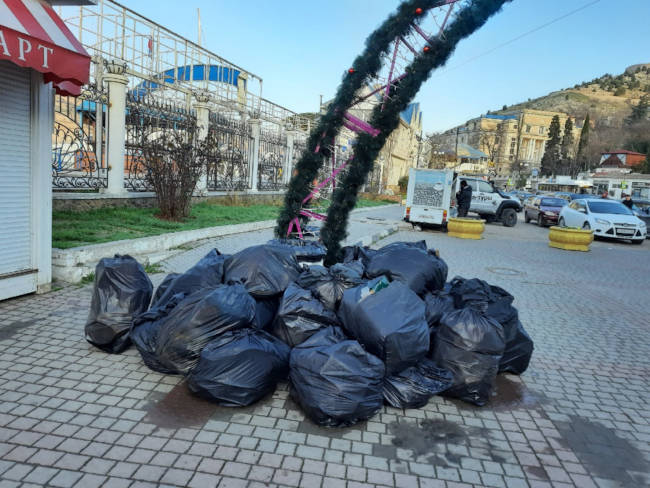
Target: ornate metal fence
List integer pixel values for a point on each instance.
(273, 149)
(147, 116)
(78, 157)
(228, 168)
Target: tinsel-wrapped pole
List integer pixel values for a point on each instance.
(344, 199)
(365, 67)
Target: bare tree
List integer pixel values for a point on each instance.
(171, 155)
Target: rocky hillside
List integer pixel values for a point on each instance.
(608, 99)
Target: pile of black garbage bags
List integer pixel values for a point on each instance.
(381, 327)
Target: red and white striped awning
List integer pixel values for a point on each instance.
(32, 35)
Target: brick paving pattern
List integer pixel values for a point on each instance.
(73, 416)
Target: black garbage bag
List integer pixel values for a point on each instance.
(417, 268)
(207, 273)
(300, 315)
(305, 251)
(328, 285)
(121, 291)
(518, 351)
(240, 367)
(388, 319)
(413, 387)
(144, 332)
(164, 286)
(357, 253)
(265, 310)
(264, 270)
(436, 305)
(470, 292)
(469, 344)
(335, 380)
(181, 334)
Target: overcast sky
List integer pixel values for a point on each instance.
(301, 48)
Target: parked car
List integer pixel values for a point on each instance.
(641, 209)
(578, 196)
(544, 210)
(563, 194)
(607, 218)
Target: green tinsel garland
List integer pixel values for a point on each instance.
(386, 120)
(366, 66)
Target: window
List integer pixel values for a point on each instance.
(485, 187)
(528, 128)
(542, 130)
(471, 183)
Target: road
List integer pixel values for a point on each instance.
(71, 415)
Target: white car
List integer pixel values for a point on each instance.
(607, 218)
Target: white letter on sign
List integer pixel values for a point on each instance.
(45, 53)
(21, 48)
(3, 43)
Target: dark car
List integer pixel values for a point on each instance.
(578, 196)
(641, 209)
(544, 210)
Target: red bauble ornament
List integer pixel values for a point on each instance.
(418, 11)
(351, 70)
(426, 49)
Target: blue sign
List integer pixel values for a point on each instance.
(535, 172)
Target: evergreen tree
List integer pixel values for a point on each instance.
(582, 144)
(567, 141)
(551, 157)
(640, 111)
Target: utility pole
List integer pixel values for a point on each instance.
(198, 13)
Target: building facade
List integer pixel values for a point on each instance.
(512, 141)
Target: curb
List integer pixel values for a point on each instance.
(373, 238)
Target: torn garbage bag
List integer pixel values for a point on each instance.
(207, 273)
(300, 315)
(265, 271)
(417, 268)
(469, 344)
(335, 380)
(309, 251)
(121, 291)
(240, 367)
(388, 319)
(413, 387)
(197, 319)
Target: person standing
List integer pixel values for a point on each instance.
(464, 199)
(627, 201)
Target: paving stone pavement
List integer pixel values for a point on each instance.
(71, 415)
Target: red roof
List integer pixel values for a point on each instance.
(623, 151)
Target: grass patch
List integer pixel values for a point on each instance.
(89, 278)
(153, 268)
(71, 229)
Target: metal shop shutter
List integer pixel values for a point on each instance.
(15, 174)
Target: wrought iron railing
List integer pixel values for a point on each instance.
(147, 117)
(272, 162)
(228, 168)
(78, 141)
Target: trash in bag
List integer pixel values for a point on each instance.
(335, 380)
(265, 310)
(328, 284)
(264, 270)
(417, 268)
(196, 320)
(470, 292)
(121, 291)
(436, 305)
(300, 316)
(240, 367)
(162, 287)
(518, 351)
(413, 387)
(310, 251)
(388, 319)
(357, 253)
(207, 273)
(469, 344)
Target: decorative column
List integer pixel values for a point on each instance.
(203, 120)
(116, 131)
(288, 162)
(256, 130)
